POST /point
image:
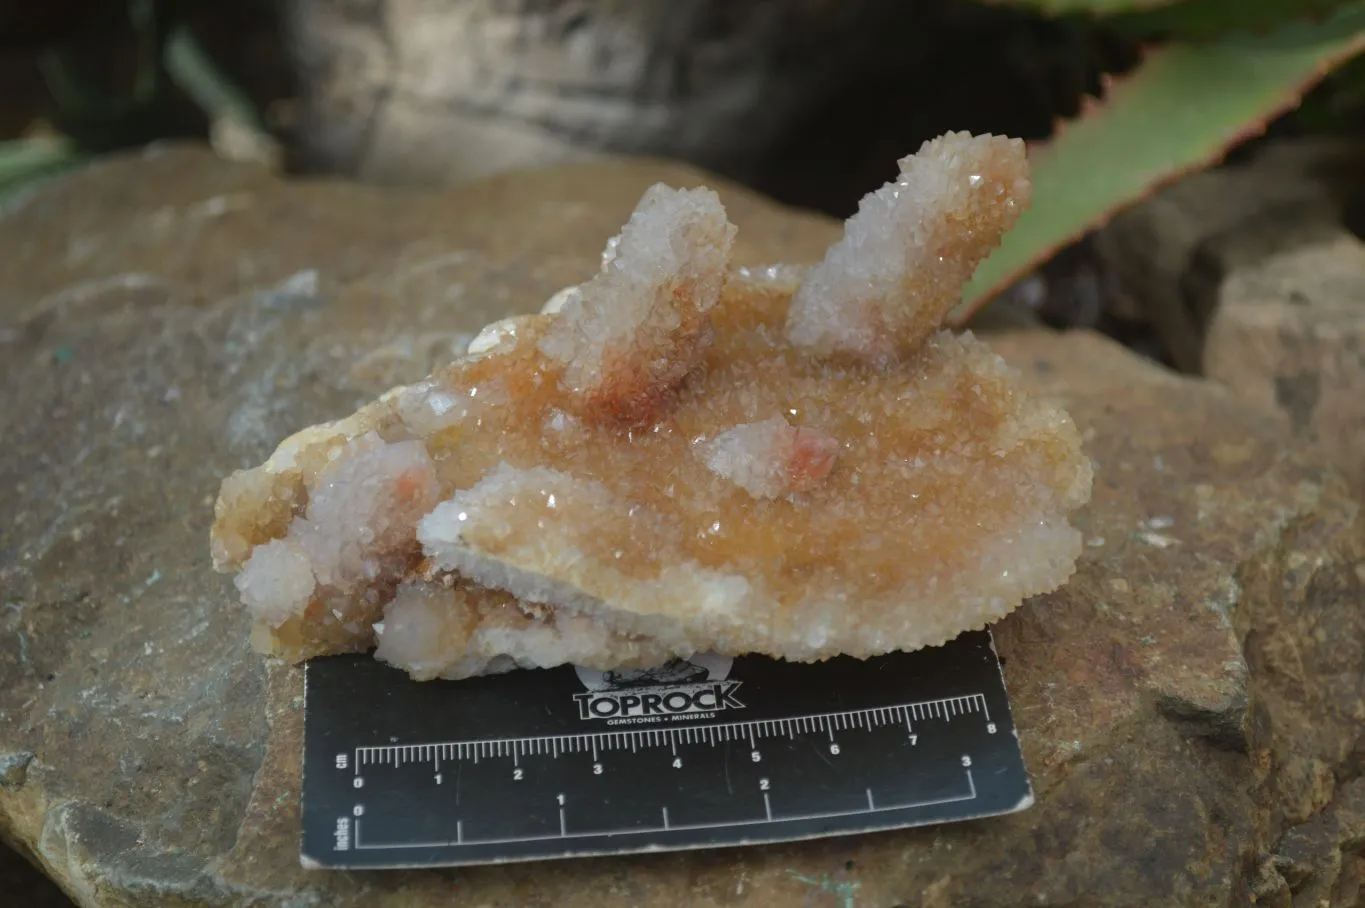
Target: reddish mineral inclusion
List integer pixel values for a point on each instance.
(687, 457)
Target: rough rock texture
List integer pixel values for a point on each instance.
(1166, 258)
(1252, 279)
(1190, 705)
(1324, 859)
(1289, 334)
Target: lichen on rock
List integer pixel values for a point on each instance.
(682, 456)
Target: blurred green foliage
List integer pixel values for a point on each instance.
(90, 116)
(26, 162)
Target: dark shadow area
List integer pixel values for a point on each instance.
(24, 887)
(80, 68)
(1021, 76)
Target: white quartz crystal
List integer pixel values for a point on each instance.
(899, 269)
(363, 506)
(635, 329)
(357, 526)
(772, 458)
(277, 581)
(435, 631)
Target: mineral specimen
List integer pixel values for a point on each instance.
(678, 456)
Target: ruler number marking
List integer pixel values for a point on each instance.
(552, 745)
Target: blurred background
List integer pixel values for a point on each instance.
(809, 101)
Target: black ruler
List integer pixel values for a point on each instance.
(702, 753)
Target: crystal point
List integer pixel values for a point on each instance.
(905, 255)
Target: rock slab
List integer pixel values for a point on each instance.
(1289, 335)
(442, 92)
(1252, 278)
(1165, 259)
(1190, 706)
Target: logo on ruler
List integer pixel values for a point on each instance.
(680, 690)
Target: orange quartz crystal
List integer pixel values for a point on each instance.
(687, 457)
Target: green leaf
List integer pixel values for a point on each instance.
(200, 77)
(24, 162)
(1204, 19)
(1092, 7)
(1181, 109)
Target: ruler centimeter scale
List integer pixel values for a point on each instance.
(703, 753)
(554, 745)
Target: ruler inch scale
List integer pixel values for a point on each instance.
(701, 753)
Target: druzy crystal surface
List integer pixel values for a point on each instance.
(681, 456)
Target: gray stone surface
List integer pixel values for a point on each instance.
(1166, 258)
(1190, 705)
(439, 92)
(1323, 858)
(1289, 335)
(1252, 279)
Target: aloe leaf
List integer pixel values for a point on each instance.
(1204, 19)
(1181, 109)
(1092, 7)
(1185, 16)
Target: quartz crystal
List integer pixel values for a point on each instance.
(680, 456)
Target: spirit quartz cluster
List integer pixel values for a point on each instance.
(680, 456)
